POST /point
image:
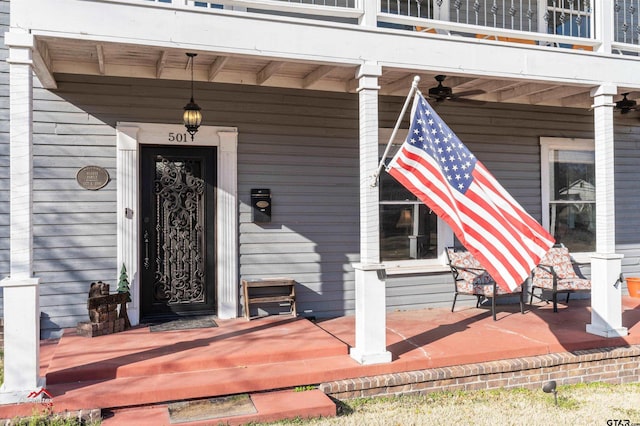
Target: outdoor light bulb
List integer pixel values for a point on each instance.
(192, 117)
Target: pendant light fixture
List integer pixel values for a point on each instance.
(192, 116)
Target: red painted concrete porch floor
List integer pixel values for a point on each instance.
(138, 367)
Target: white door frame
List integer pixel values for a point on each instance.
(129, 137)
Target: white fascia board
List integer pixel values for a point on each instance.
(243, 33)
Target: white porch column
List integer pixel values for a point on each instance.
(371, 343)
(606, 265)
(227, 240)
(127, 212)
(21, 289)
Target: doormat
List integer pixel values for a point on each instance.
(212, 408)
(183, 324)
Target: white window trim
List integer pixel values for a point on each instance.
(568, 144)
(129, 137)
(445, 233)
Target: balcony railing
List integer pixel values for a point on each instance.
(558, 23)
(627, 23)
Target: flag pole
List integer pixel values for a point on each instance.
(414, 87)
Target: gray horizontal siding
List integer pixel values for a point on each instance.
(314, 229)
(627, 194)
(74, 229)
(420, 291)
(303, 145)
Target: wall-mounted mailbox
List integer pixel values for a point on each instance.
(261, 205)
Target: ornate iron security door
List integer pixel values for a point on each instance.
(177, 231)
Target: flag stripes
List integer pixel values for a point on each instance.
(435, 166)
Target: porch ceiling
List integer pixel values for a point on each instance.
(59, 55)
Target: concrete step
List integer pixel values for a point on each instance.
(138, 391)
(138, 368)
(160, 388)
(268, 407)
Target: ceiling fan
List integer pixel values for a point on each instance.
(442, 93)
(625, 105)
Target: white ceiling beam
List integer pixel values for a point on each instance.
(631, 94)
(521, 90)
(217, 66)
(268, 71)
(225, 76)
(497, 85)
(43, 65)
(351, 85)
(452, 81)
(471, 84)
(580, 100)
(403, 83)
(161, 63)
(100, 50)
(556, 92)
(316, 75)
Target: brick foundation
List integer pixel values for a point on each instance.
(610, 365)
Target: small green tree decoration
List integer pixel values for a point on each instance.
(123, 282)
(123, 287)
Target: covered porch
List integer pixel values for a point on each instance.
(153, 48)
(432, 350)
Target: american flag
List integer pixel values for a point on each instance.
(441, 171)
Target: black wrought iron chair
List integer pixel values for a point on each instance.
(470, 278)
(556, 274)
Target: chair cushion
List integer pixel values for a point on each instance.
(487, 290)
(558, 258)
(564, 284)
(469, 268)
(473, 278)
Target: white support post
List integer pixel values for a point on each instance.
(227, 239)
(603, 24)
(370, 347)
(370, 16)
(127, 213)
(606, 265)
(21, 289)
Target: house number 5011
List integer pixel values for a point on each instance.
(177, 137)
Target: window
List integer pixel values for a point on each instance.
(408, 228)
(411, 235)
(569, 192)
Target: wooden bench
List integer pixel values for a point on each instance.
(273, 290)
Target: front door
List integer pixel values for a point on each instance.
(177, 238)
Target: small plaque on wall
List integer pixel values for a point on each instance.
(92, 177)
